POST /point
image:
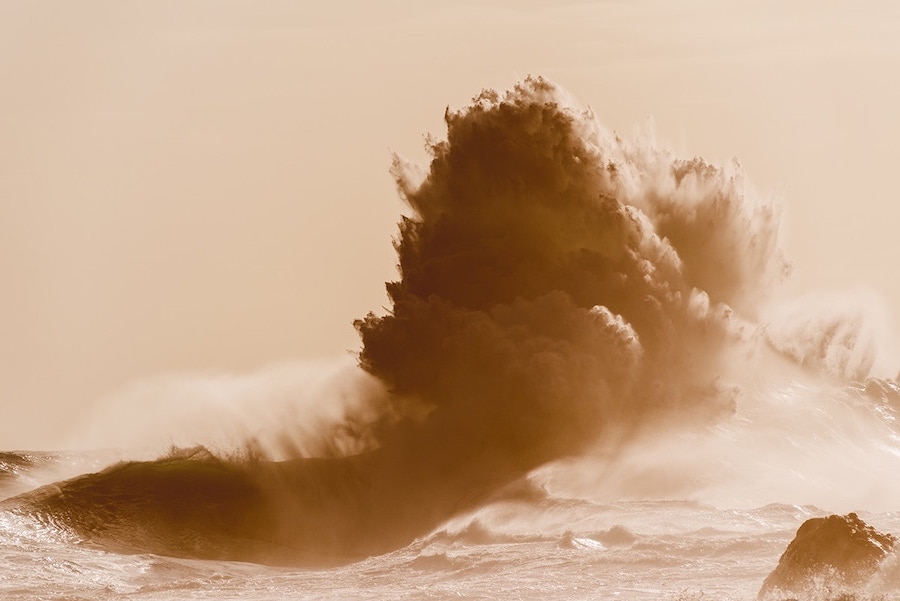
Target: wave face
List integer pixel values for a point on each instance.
(312, 511)
(195, 504)
(590, 311)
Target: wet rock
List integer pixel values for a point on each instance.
(835, 554)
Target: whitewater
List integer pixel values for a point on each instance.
(590, 384)
(582, 529)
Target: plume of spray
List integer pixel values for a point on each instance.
(310, 408)
(565, 291)
(560, 288)
(558, 283)
(838, 335)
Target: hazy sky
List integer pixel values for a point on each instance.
(203, 185)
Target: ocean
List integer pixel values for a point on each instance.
(591, 384)
(577, 529)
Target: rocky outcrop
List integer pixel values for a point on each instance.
(840, 553)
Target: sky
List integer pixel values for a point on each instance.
(202, 186)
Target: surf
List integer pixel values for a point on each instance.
(579, 319)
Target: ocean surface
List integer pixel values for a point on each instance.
(578, 529)
(589, 386)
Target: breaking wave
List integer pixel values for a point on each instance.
(579, 318)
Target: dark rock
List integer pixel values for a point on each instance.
(842, 551)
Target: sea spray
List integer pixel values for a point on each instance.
(561, 290)
(300, 408)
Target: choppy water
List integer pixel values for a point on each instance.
(567, 549)
(545, 540)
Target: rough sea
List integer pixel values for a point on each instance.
(578, 529)
(590, 384)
